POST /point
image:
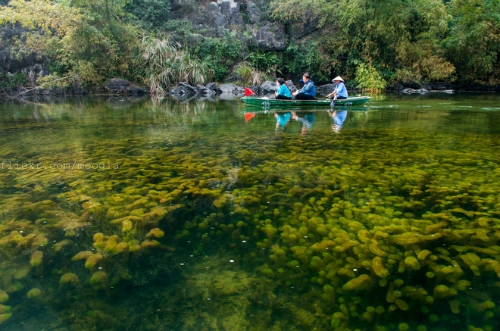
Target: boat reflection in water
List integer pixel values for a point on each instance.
(338, 117)
(282, 119)
(306, 119)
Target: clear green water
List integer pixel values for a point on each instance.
(124, 214)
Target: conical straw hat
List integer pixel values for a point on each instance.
(337, 78)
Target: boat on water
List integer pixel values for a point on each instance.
(267, 103)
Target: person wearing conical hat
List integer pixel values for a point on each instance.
(340, 91)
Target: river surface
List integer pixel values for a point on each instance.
(133, 214)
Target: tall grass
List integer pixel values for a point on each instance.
(166, 64)
(248, 75)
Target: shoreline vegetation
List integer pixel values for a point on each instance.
(78, 47)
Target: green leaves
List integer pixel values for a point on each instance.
(152, 15)
(474, 40)
(300, 11)
(220, 54)
(85, 41)
(369, 78)
(392, 35)
(165, 63)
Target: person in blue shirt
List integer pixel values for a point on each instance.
(340, 91)
(308, 91)
(283, 92)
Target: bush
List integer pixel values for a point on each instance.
(248, 75)
(165, 64)
(302, 57)
(152, 15)
(12, 81)
(369, 78)
(220, 54)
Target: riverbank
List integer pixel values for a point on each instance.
(118, 86)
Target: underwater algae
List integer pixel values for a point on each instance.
(357, 232)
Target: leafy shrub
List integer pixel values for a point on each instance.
(220, 54)
(152, 15)
(165, 64)
(248, 75)
(305, 56)
(263, 61)
(369, 78)
(11, 81)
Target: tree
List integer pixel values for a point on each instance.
(85, 38)
(399, 38)
(152, 15)
(474, 40)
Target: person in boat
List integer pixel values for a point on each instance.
(340, 91)
(308, 91)
(283, 92)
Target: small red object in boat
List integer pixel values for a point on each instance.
(248, 92)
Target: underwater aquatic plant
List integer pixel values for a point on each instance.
(368, 237)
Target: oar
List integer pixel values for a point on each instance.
(333, 100)
(332, 104)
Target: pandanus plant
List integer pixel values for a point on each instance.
(166, 64)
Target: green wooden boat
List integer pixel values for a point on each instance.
(267, 103)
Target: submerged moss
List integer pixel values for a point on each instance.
(374, 229)
(34, 293)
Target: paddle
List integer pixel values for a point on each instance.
(333, 99)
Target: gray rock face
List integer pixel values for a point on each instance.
(268, 87)
(117, 84)
(229, 88)
(301, 30)
(326, 89)
(253, 12)
(291, 86)
(225, 7)
(270, 37)
(8, 33)
(212, 86)
(218, 17)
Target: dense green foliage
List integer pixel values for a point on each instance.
(77, 38)
(474, 40)
(305, 56)
(150, 14)
(373, 44)
(13, 81)
(166, 63)
(399, 39)
(220, 54)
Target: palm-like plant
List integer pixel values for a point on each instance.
(167, 64)
(246, 74)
